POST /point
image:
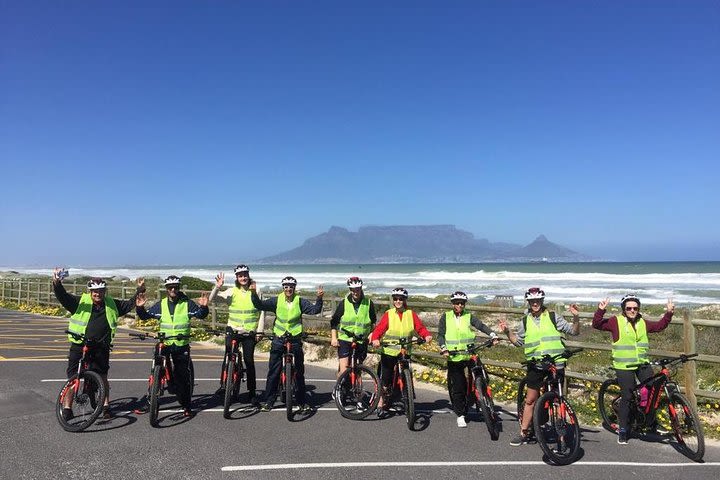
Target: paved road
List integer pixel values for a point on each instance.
(265, 445)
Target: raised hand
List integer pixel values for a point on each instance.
(320, 291)
(603, 304)
(140, 299)
(574, 309)
(203, 300)
(219, 279)
(670, 305)
(503, 326)
(56, 275)
(140, 282)
(253, 286)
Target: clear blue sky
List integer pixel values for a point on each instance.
(204, 132)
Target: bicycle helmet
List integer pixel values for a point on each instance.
(288, 281)
(172, 280)
(354, 282)
(242, 268)
(629, 297)
(458, 296)
(399, 292)
(535, 293)
(96, 283)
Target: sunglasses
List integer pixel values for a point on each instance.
(458, 302)
(632, 309)
(288, 287)
(398, 299)
(534, 301)
(172, 287)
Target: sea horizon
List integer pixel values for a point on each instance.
(691, 282)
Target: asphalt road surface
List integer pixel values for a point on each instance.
(322, 444)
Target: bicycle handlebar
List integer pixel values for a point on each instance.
(160, 336)
(403, 342)
(548, 360)
(355, 338)
(287, 337)
(472, 348)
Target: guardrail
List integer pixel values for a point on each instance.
(41, 292)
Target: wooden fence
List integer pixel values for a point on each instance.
(41, 292)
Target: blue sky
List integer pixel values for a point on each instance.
(205, 132)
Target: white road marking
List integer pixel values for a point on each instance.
(292, 466)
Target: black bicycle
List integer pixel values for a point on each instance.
(661, 392)
(287, 385)
(403, 379)
(234, 372)
(554, 421)
(161, 372)
(478, 387)
(84, 393)
(356, 390)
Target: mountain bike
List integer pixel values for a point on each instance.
(662, 392)
(556, 426)
(403, 379)
(287, 386)
(356, 390)
(478, 387)
(234, 372)
(161, 372)
(86, 390)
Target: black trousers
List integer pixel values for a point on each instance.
(277, 349)
(626, 380)
(248, 354)
(183, 377)
(457, 385)
(387, 367)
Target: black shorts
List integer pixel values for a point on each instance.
(99, 359)
(535, 377)
(344, 349)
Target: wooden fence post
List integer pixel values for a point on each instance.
(19, 300)
(689, 346)
(213, 316)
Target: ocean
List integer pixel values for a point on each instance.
(654, 282)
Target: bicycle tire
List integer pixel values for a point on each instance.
(83, 416)
(289, 390)
(685, 421)
(607, 403)
(485, 402)
(157, 379)
(356, 400)
(409, 398)
(229, 388)
(559, 437)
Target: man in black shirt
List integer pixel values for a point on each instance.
(94, 315)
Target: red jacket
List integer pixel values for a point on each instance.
(384, 323)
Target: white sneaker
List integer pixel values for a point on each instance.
(461, 421)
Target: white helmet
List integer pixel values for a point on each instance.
(242, 268)
(534, 293)
(458, 296)
(399, 292)
(630, 297)
(96, 284)
(354, 282)
(172, 280)
(288, 281)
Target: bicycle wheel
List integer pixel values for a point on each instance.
(229, 388)
(686, 427)
(289, 390)
(357, 392)
(559, 436)
(88, 397)
(408, 395)
(608, 403)
(157, 379)
(483, 398)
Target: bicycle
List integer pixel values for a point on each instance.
(234, 372)
(556, 426)
(161, 377)
(356, 389)
(683, 420)
(87, 391)
(478, 387)
(287, 385)
(403, 379)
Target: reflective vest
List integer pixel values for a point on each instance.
(458, 335)
(398, 328)
(355, 322)
(176, 324)
(79, 320)
(242, 314)
(631, 349)
(288, 319)
(543, 339)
